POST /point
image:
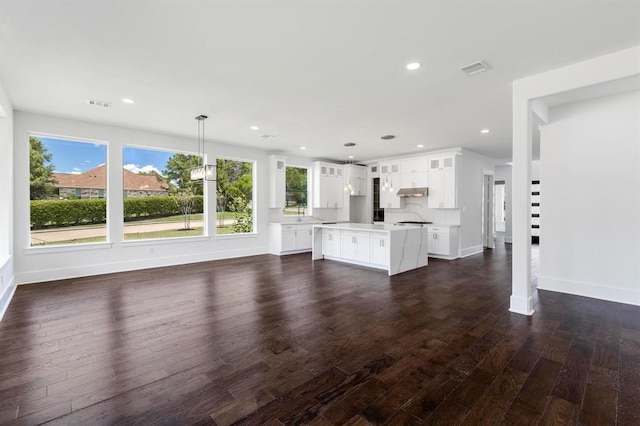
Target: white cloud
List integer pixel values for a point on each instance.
(76, 171)
(145, 169)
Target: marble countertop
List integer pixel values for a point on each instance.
(367, 227)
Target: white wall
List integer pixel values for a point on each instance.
(472, 167)
(7, 283)
(590, 201)
(49, 263)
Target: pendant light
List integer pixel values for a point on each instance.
(348, 186)
(204, 172)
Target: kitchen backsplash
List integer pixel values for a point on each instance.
(416, 209)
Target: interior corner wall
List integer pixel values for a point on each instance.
(7, 282)
(37, 265)
(590, 199)
(471, 178)
(503, 173)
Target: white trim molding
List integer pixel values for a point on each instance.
(586, 289)
(132, 265)
(470, 251)
(521, 305)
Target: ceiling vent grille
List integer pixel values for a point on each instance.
(475, 68)
(98, 103)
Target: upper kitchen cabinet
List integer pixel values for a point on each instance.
(414, 172)
(328, 185)
(389, 184)
(355, 180)
(278, 179)
(443, 187)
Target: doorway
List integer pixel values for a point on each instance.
(488, 234)
(500, 206)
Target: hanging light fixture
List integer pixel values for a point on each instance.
(348, 186)
(386, 185)
(203, 172)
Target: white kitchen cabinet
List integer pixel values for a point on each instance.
(304, 236)
(277, 179)
(443, 181)
(414, 172)
(379, 248)
(328, 185)
(355, 180)
(389, 185)
(331, 242)
(443, 241)
(355, 245)
(290, 238)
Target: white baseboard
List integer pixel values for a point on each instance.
(521, 305)
(6, 298)
(8, 286)
(132, 265)
(469, 251)
(593, 290)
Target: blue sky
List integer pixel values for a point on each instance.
(78, 157)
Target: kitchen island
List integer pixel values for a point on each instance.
(393, 248)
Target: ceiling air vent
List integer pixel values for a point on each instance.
(475, 68)
(387, 137)
(97, 103)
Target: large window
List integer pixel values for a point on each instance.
(67, 191)
(160, 200)
(234, 196)
(296, 191)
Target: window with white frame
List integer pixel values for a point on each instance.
(160, 199)
(67, 191)
(296, 191)
(234, 196)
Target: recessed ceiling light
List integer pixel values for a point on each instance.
(420, 146)
(351, 156)
(128, 101)
(509, 163)
(255, 128)
(413, 66)
(303, 148)
(485, 131)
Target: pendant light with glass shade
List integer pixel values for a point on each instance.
(348, 186)
(203, 172)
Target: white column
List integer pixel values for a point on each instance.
(521, 302)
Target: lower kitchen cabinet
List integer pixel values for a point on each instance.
(290, 238)
(380, 248)
(331, 242)
(443, 241)
(354, 245)
(395, 249)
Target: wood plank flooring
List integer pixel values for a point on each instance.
(269, 340)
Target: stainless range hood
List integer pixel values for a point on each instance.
(413, 192)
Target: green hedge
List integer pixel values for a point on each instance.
(89, 211)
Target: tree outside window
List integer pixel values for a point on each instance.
(234, 196)
(296, 191)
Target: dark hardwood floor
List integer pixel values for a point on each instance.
(272, 340)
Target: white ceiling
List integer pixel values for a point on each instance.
(312, 73)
